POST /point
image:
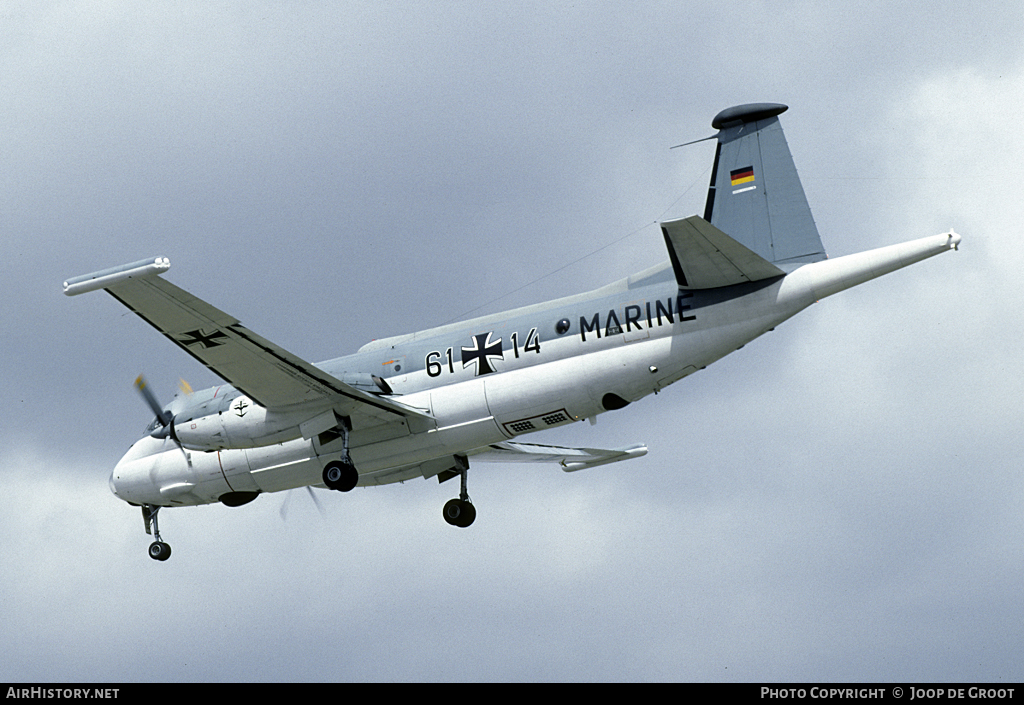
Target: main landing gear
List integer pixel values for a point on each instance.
(460, 512)
(340, 474)
(158, 550)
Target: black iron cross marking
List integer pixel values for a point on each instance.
(207, 341)
(481, 353)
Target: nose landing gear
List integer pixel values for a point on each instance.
(158, 550)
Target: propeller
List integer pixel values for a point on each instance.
(312, 495)
(166, 418)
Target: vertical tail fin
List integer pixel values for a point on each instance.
(755, 195)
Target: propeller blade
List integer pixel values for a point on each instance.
(164, 416)
(316, 501)
(283, 511)
(287, 499)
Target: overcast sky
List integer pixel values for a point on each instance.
(840, 500)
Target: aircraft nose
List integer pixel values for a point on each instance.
(131, 474)
(153, 471)
(117, 479)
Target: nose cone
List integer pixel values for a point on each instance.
(113, 485)
(132, 470)
(153, 471)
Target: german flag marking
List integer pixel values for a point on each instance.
(741, 176)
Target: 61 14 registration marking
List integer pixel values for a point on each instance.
(480, 354)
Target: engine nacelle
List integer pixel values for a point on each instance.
(211, 420)
(244, 424)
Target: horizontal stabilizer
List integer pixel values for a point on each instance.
(571, 459)
(704, 257)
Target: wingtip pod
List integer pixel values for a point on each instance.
(108, 277)
(820, 279)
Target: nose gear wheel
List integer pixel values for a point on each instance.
(158, 550)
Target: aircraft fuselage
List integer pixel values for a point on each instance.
(486, 380)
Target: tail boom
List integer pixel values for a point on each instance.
(817, 280)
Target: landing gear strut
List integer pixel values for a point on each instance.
(158, 550)
(460, 512)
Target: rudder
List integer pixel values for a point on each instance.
(755, 194)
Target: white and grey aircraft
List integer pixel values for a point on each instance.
(429, 404)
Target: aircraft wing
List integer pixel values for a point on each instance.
(704, 257)
(266, 373)
(571, 459)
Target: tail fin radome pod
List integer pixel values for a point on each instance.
(755, 195)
